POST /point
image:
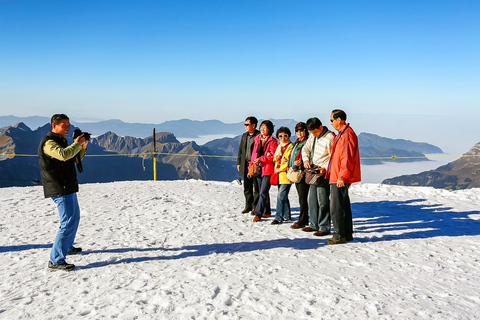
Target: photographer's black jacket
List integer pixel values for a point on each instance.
(59, 178)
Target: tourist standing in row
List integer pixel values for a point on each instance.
(250, 184)
(296, 163)
(263, 151)
(344, 169)
(316, 153)
(280, 159)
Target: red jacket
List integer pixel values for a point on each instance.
(345, 159)
(267, 158)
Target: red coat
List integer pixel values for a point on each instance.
(267, 158)
(345, 159)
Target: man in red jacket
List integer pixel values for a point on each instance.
(343, 170)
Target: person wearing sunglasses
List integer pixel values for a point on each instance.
(296, 163)
(343, 170)
(250, 184)
(280, 163)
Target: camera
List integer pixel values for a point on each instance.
(78, 132)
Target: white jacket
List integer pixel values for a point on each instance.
(323, 149)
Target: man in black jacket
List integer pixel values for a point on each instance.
(59, 179)
(250, 185)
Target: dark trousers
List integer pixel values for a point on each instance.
(250, 190)
(341, 211)
(319, 206)
(263, 206)
(302, 191)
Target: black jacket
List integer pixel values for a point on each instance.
(245, 152)
(59, 178)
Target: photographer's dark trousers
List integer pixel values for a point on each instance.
(250, 190)
(263, 206)
(341, 211)
(69, 212)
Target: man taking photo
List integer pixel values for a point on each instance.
(59, 180)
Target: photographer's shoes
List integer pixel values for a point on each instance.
(61, 266)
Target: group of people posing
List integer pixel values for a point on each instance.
(333, 159)
(320, 163)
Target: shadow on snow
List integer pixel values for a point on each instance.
(373, 222)
(207, 249)
(411, 219)
(393, 220)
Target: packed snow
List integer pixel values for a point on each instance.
(183, 250)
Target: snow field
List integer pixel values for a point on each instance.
(183, 250)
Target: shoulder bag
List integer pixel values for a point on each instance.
(255, 170)
(314, 174)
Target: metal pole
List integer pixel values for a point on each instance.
(154, 156)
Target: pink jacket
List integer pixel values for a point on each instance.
(345, 159)
(267, 158)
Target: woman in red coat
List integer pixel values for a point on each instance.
(263, 151)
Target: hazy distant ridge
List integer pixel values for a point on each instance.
(183, 128)
(463, 173)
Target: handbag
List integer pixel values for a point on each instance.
(294, 175)
(314, 175)
(274, 179)
(255, 170)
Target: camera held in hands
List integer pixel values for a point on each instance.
(78, 132)
(78, 160)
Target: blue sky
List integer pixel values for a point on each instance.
(152, 61)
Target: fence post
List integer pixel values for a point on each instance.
(154, 156)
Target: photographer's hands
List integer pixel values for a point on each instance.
(80, 139)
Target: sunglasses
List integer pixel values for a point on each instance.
(283, 135)
(331, 120)
(247, 124)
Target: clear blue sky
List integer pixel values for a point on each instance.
(151, 61)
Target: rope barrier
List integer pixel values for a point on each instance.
(233, 157)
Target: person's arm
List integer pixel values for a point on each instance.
(269, 152)
(54, 150)
(284, 161)
(346, 162)
(241, 149)
(306, 150)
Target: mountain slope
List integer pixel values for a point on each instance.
(463, 173)
(375, 149)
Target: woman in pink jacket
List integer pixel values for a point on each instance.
(263, 151)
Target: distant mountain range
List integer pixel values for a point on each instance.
(107, 158)
(463, 173)
(113, 158)
(375, 149)
(184, 128)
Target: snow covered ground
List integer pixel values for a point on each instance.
(183, 250)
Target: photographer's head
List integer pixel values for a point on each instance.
(60, 124)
